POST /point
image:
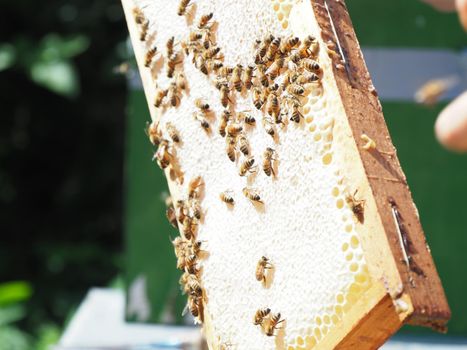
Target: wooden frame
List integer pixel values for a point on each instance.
(405, 285)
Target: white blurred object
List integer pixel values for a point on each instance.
(99, 323)
(398, 73)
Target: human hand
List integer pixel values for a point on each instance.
(451, 125)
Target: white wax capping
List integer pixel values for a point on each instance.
(301, 227)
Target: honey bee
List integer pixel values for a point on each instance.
(268, 127)
(187, 227)
(247, 165)
(194, 305)
(307, 78)
(252, 194)
(170, 46)
(273, 107)
(173, 133)
(138, 15)
(226, 197)
(226, 71)
(230, 148)
(288, 44)
(357, 206)
(263, 46)
(181, 209)
(257, 98)
(272, 49)
(182, 7)
(295, 89)
(179, 244)
(306, 49)
(201, 65)
(310, 65)
(275, 68)
(247, 76)
(236, 78)
(193, 187)
(268, 157)
(210, 53)
(234, 129)
(262, 77)
(226, 116)
(143, 33)
(194, 287)
(162, 154)
(260, 315)
(149, 56)
(215, 65)
(171, 216)
(261, 267)
(196, 210)
(202, 120)
(180, 81)
(204, 20)
(225, 96)
(191, 264)
(203, 106)
(296, 114)
(194, 36)
(153, 133)
(171, 64)
(272, 325)
(289, 77)
(247, 118)
(172, 95)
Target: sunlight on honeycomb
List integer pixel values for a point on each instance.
(307, 226)
(282, 9)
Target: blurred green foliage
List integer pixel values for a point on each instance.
(61, 161)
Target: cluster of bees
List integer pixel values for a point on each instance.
(186, 214)
(283, 72)
(267, 320)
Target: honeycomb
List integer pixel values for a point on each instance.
(306, 226)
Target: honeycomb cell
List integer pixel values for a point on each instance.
(317, 137)
(349, 228)
(286, 8)
(276, 7)
(338, 310)
(308, 119)
(317, 333)
(280, 16)
(285, 24)
(335, 319)
(361, 278)
(349, 256)
(354, 242)
(310, 342)
(340, 298)
(318, 320)
(335, 191)
(327, 158)
(326, 319)
(354, 288)
(300, 341)
(345, 246)
(340, 203)
(312, 127)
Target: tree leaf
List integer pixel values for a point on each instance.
(58, 76)
(7, 56)
(15, 291)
